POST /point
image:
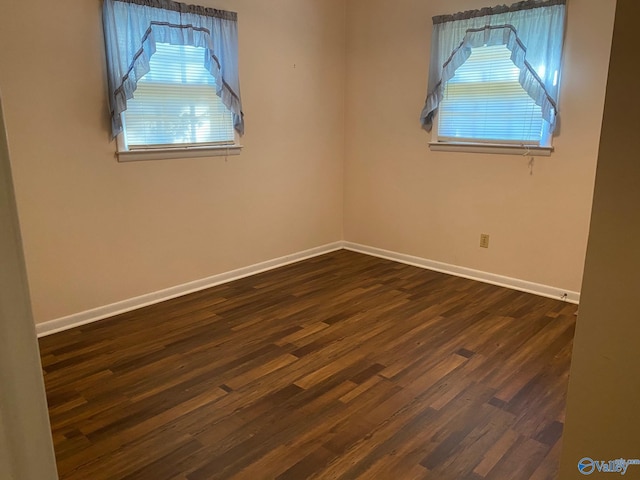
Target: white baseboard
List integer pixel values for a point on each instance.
(492, 278)
(107, 311)
(100, 313)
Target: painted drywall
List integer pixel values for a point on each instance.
(6, 462)
(402, 197)
(603, 419)
(98, 232)
(26, 449)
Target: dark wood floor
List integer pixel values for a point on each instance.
(343, 366)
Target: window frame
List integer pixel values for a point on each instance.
(127, 152)
(506, 147)
(532, 31)
(501, 148)
(132, 28)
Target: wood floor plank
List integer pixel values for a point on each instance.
(342, 366)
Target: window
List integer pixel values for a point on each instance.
(174, 89)
(485, 103)
(176, 104)
(494, 78)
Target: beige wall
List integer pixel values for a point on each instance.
(95, 231)
(402, 197)
(603, 416)
(26, 450)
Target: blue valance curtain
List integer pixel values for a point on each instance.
(132, 28)
(532, 30)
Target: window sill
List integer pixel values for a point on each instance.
(178, 152)
(492, 148)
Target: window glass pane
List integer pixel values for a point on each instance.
(176, 102)
(484, 101)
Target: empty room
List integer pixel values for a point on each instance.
(319, 239)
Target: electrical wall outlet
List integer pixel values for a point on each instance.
(484, 240)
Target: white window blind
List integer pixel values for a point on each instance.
(484, 102)
(176, 104)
